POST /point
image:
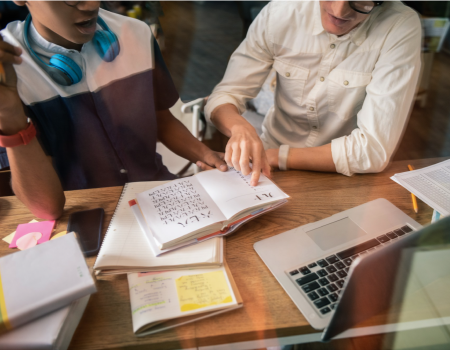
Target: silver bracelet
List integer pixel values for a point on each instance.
(283, 153)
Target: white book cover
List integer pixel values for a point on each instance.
(42, 279)
(125, 247)
(53, 331)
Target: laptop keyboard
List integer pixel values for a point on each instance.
(322, 280)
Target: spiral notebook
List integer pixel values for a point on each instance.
(125, 247)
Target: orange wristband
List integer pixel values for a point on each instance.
(23, 137)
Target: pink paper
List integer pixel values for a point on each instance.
(44, 227)
(28, 241)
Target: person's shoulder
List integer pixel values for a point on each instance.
(398, 13)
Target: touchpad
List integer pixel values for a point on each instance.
(335, 233)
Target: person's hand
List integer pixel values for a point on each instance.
(244, 147)
(272, 157)
(213, 160)
(10, 103)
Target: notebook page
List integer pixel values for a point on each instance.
(178, 208)
(430, 184)
(165, 295)
(232, 191)
(126, 245)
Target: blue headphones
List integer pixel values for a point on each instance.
(63, 69)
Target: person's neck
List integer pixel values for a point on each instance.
(54, 38)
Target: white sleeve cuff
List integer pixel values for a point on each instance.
(339, 155)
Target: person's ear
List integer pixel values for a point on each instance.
(20, 3)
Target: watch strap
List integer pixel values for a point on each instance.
(23, 137)
(283, 153)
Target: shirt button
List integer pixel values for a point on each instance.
(322, 78)
(332, 46)
(346, 82)
(288, 74)
(123, 171)
(311, 109)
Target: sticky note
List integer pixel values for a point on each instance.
(203, 290)
(60, 234)
(29, 240)
(10, 237)
(44, 227)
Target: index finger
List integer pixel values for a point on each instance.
(256, 168)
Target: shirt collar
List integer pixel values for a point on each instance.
(39, 40)
(357, 35)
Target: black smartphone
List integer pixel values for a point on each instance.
(88, 226)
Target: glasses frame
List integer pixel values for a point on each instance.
(351, 4)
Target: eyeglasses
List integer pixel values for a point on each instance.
(364, 7)
(72, 3)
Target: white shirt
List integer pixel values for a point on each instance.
(354, 91)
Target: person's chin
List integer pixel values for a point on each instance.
(332, 29)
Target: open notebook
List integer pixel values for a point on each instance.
(206, 204)
(125, 247)
(167, 299)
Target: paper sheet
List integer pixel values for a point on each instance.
(59, 234)
(10, 237)
(200, 291)
(170, 294)
(430, 184)
(44, 227)
(232, 191)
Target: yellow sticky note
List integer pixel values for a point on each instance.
(60, 234)
(203, 290)
(10, 237)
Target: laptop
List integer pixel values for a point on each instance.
(321, 265)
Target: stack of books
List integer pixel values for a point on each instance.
(43, 294)
(168, 237)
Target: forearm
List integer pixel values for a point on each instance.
(227, 119)
(175, 136)
(33, 178)
(314, 158)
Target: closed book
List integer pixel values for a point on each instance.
(53, 331)
(42, 279)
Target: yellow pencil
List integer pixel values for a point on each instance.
(413, 197)
(2, 73)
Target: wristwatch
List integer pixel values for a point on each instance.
(23, 137)
(283, 153)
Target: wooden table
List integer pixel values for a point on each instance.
(268, 311)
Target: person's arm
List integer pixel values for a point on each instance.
(386, 107)
(176, 137)
(33, 178)
(311, 158)
(246, 72)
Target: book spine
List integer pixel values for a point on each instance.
(111, 223)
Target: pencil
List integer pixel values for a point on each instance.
(2, 73)
(413, 197)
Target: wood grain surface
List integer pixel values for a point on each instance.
(268, 312)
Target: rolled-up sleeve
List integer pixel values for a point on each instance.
(387, 105)
(248, 67)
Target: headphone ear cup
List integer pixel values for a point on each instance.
(67, 67)
(106, 44)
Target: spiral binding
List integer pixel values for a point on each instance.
(112, 220)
